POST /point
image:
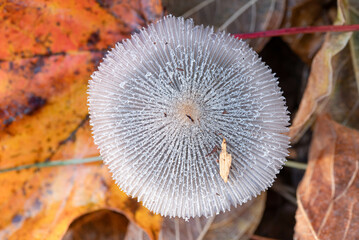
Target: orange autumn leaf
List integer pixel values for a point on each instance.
(328, 196)
(43, 113)
(30, 28)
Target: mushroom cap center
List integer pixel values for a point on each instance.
(188, 112)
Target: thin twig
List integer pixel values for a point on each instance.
(298, 30)
(296, 165)
(53, 164)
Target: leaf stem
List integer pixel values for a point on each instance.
(297, 165)
(298, 30)
(53, 164)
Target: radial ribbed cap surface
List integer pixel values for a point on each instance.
(161, 104)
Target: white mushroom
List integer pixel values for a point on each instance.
(162, 102)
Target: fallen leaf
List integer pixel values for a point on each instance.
(320, 84)
(41, 203)
(50, 50)
(239, 223)
(332, 85)
(32, 28)
(303, 13)
(350, 9)
(344, 103)
(328, 196)
(240, 16)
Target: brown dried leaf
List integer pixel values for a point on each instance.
(239, 16)
(320, 84)
(332, 84)
(345, 100)
(303, 13)
(350, 9)
(239, 223)
(328, 196)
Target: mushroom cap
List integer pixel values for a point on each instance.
(160, 105)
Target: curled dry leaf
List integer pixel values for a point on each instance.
(344, 103)
(332, 84)
(328, 196)
(43, 114)
(320, 84)
(350, 9)
(238, 16)
(303, 13)
(239, 223)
